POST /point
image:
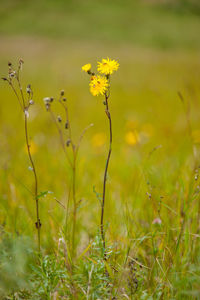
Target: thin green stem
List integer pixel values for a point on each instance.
(24, 108)
(74, 204)
(37, 223)
(105, 172)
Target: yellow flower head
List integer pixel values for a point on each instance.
(107, 66)
(86, 68)
(98, 140)
(98, 85)
(132, 137)
(33, 148)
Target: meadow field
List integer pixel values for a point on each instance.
(152, 203)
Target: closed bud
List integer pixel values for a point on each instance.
(28, 89)
(66, 125)
(12, 74)
(59, 119)
(62, 93)
(46, 100)
(68, 142)
(21, 61)
(47, 105)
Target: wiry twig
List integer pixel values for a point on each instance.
(24, 105)
(106, 171)
(71, 161)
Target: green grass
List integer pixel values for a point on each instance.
(175, 24)
(144, 98)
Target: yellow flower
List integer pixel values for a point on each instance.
(107, 66)
(132, 137)
(98, 140)
(86, 68)
(33, 148)
(98, 85)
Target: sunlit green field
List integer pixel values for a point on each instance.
(153, 173)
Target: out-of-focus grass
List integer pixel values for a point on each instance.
(145, 105)
(169, 24)
(144, 98)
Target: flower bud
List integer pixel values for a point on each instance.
(59, 119)
(67, 125)
(46, 100)
(28, 89)
(68, 142)
(31, 102)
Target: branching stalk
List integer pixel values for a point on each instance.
(72, 161)
(24, 105)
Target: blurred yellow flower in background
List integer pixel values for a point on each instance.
(33, 148)
(98, 85)
(132, 137)
(98, 140)
(107, 66)
(86, 68)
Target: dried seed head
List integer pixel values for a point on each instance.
(67, 125)
(64, 99)
(62, 93)
(21, 61)
(68, 142)
(28, 89)
(59, 119)
(26, 113)
(46, 100)
(149, 195)
(47, 105)
(9, 64)
(12, 74)
(31, 102)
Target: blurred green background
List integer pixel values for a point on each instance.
(155, 23)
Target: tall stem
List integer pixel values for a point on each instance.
(106, 171)
(37, 223)
(74, 150)
(74, 203)
(23, 107)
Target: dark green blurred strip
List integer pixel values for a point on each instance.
(160, 24)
